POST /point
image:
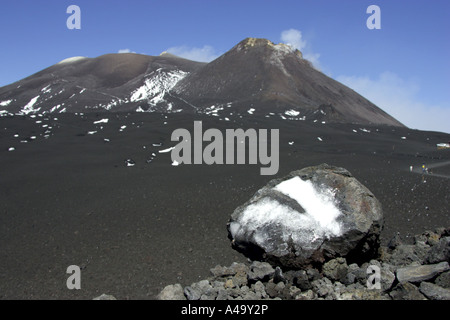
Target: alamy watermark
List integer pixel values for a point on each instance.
(74, 281)
(374, 21)
(221, 150)
(374, 278)
(74, 20)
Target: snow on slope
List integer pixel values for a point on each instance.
(29, 108)
(72, 59)
(156, 86)
(5, 103)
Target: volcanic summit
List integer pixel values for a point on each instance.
(255, 75)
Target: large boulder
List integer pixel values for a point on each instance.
(310, 216)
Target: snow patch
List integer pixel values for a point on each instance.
(5, 103)
(130, 163)
(71, 60)
(292, 113)
(320, 207)
(213, 110)
(101, 121)
(46, 89)
(318, 221)
(156, 86)
(55, 108)
(166, 150)
(29, 107)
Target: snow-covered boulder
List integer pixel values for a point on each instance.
(310, 216)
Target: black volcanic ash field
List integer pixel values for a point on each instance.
(68, 197)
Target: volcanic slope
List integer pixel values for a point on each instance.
(69, 195)
(255, 76)
(112, 82)
(262, 76)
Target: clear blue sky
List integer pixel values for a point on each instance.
(403, 67)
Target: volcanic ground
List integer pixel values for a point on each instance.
(68, 197)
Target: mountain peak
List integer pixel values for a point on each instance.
(168, 54)
(251, 42)
(280, 48)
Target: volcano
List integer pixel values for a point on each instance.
(267, 77)
(88, 181)
(112, 82)
(255, 77)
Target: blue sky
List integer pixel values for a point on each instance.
(403, 67)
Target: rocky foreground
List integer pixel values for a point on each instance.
(314, 234)
(418, 271)
(71, 199)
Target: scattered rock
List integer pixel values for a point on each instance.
(406, 291)
(335, 279)
(395, 241)
(260, 271)
(313, 274)
(200, 290)
(302, 280)
(105, 297)
(219, 271)
(307, 295)
(443, 280)
(278, 275)
(434, 292)
(259, 289)
(404, 255)
(323, 287)
(362, 293)
(172, 292)
(440, 250)
(336, 269)
(387, 277)
(417, 273)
